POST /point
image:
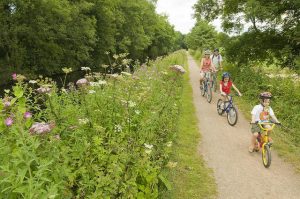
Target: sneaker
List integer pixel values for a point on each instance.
(250, 149)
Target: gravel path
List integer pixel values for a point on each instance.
(238, 173)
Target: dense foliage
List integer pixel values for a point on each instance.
(108, 137)
(202, 36)
(41, 37)
(273, 29)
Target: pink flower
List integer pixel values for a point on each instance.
(82, 82)
(6, 104)
(14, 76)
(27, 115)
(9, 121)
(41, 128)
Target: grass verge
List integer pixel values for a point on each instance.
(190, 178)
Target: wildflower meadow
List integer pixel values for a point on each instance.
(107, 135)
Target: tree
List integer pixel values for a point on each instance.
(202, 36)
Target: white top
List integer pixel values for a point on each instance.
(258, 109)
(216, 60)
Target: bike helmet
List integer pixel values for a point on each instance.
(216, 50)
(265, 95)
(225, 75)
(207, 52)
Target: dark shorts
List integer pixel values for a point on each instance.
(255, 128)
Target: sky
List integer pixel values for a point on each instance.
(180, 14)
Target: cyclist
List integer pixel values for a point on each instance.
(206, 66)
(225, 87)
(260, 112)
(216, 58)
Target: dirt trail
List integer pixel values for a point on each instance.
(238, 173)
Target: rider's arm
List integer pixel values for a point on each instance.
(236, 89)
(221, 90)
(201, 64)
(272, 114)
(274, 118)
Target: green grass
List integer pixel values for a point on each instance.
(190, 178)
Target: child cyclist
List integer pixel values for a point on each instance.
(225, 87)
(261, 112)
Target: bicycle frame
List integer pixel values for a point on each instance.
(265, 133)
(230, 104)
(263, 142)
(206, 81)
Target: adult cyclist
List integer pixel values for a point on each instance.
(216, 58)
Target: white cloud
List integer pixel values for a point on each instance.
(179, 12)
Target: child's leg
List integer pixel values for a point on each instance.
(201, 77)
(255, 130)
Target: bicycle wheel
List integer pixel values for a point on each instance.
(214, 83)
(202, 88)
(232, 116)
(219, 108)
(266, 156)
(208, 93)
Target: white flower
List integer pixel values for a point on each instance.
(32, 82)
(67, 70)
(102, 82)
(94, 84)
(148, 146)
(169, 144)
(131, 104)
(125, 73)
(92, 91)
(85, 68)
(115, 75)
(83, 121)
(63, 90)
(115, 56)
(137, 112)
(118, 128)
(148, 151)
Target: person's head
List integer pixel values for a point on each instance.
(207, 53)
(265, 98)
(216, 51)
(225, 77)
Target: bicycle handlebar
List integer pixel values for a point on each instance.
(266, 122)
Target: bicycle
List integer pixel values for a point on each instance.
(263, 142)
(206, 88)
(229, 108)
(214, 81)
